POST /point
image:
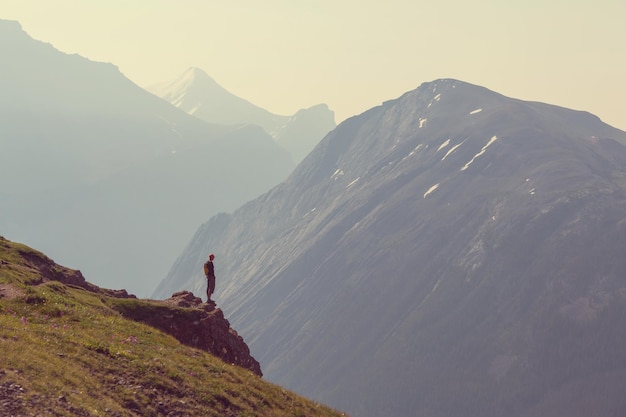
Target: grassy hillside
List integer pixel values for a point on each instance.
(66, 351)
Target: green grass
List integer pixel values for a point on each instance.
(74, 354)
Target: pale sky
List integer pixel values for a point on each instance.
(284, 55)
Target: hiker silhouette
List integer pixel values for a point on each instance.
(209, 271)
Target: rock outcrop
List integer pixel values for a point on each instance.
(194, 323)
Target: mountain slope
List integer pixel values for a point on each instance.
(77, 120)
(67, 351)
(304, 130)
(93, 167)
(450, 252)
(198, 94)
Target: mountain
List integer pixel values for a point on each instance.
(72, 348)
(95, 168)
(450, 252)
(199, 95)
(196, 93)
(300, 133)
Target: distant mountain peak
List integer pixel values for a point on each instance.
(195, 71)
(196, 93)
(195, 74)
(195, 77)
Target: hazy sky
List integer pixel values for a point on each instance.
(284, 55)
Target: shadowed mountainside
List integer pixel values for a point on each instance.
(450, 252)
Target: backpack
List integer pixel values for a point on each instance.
(206, 268)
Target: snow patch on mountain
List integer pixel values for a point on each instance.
(353, 182)
(443, 145)
(416, 149)
(431, 189)
(454, 148)
(436, 98)
(338, 173)
(434, 289)
(482, 151)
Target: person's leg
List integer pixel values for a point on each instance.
(212, 284)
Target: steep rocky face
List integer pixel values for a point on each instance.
(450, 252)
(195, 324)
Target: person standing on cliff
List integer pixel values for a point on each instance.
(209, 271)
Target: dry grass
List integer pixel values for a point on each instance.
(74, 355)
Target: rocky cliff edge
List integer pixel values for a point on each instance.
(183, 315)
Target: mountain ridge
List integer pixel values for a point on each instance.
(431, 234)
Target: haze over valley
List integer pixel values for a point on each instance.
(104, 175)
(433, 247)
